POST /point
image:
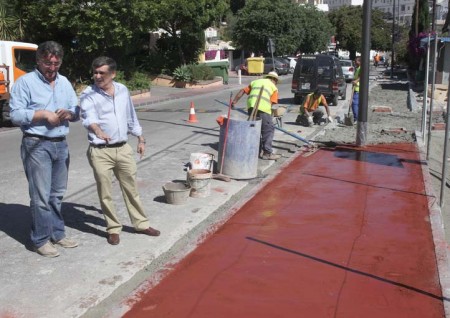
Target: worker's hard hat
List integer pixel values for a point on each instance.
(273, 75)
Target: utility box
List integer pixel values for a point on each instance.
(220, 69)
(255, 65)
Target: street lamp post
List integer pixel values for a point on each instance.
(393, 39)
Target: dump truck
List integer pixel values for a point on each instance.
(16, 59)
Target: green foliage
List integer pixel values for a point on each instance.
(319, 33)
(348, 23)
(182, 74)
(401, 45)
(88, 29)
(193, 73)
(201, 72)
(421, 22)
(10, 23)
(185, 20)
(135, 81)
(380, 32)
(292, 27)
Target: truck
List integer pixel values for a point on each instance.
(16, 59)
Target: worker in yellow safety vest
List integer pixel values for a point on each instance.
(269, 96)
(355, 94)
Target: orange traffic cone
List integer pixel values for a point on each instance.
(192, 117)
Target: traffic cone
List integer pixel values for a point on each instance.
(192, 117)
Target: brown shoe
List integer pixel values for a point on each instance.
(150, 232)
(113, 239)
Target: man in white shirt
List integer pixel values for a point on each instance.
(108, 113)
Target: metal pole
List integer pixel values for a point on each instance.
(433, 80)
(361, 134)
(444, 158)
(425, 92)
(393, 39)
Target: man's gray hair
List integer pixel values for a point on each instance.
(49, 48)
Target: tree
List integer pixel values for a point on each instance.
(88, 29)
(419, 27)
(348, 24)
(380, 32)
(236, 5)
(318, 30)
(10, 23)
(421, 17)
(292, 27)
(185, 20)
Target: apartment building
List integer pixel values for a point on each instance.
(403, 8)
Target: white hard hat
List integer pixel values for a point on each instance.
(273, 75)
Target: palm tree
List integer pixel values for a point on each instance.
(10, 23)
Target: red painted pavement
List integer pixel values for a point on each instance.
(343, 233)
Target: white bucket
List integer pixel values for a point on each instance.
(200, 182)
(200, 160)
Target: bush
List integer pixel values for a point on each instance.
(136, 81)
(201, 72)
(182, 74)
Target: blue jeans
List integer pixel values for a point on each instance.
(355, 105)
(46, 165)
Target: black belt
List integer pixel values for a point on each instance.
(119, 144)
(54, 139)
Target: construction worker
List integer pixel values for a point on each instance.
(310, 113)
(355, 94)
(269, 96)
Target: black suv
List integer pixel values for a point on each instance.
(323, 72)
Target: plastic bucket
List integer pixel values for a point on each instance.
(176, 193)
(200, 160)
(200, 182)
(240, 160)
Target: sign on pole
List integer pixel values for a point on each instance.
(270, 46)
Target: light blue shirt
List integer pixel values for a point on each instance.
(114, 114)
(32, 92)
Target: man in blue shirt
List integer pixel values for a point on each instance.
(42, 104)
(108, 113)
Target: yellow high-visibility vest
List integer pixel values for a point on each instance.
(264, 103)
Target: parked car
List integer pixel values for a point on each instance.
(281, 66)
(322, 72)
(348, 69)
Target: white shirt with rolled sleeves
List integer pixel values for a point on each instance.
(115, 115)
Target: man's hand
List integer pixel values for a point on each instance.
(52, 118)
(310, 121)
(99, 133)
(330, 119)
(64, 114)
(141, 147)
